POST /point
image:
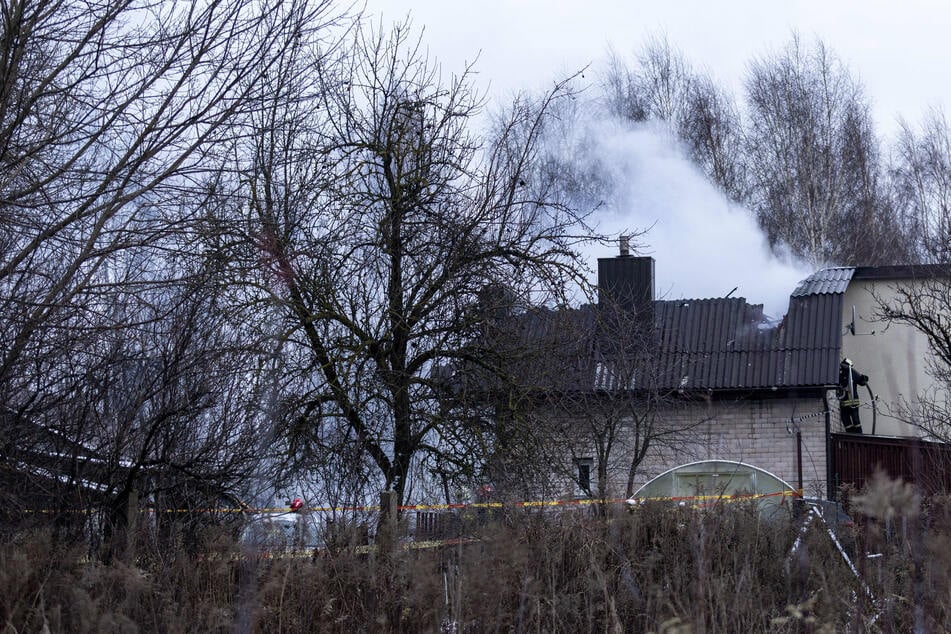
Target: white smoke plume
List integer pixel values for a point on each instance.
(703, 244)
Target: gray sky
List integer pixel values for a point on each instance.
(899, 49)
(896, 49)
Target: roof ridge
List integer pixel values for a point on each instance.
(831, 280)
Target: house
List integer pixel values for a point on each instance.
(745, 389)
(87, 493)
(645, 384)
(771, 391)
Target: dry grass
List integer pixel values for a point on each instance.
(658, 569)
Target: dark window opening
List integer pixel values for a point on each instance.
(584, 475)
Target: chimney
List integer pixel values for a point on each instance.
(625, 245)
(627, 282)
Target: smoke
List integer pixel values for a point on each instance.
(640, 178)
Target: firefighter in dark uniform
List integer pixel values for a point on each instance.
(849, 381)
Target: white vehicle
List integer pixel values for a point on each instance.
(279, 532)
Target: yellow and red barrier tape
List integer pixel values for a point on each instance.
(696, 499)
(731, 498)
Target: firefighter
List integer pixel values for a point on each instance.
(849, 381)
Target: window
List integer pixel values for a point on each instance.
(584, 475)
(713, 483)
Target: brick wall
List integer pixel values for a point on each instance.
(757, 432)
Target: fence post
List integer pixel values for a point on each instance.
(130, 520)
(386, 528)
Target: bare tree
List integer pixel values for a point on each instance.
(379, 227)
(921, 177)
(117, 120)
(661, 85)
(711, 128)
(813, 166)
(576, 396)
(626, 412)
(170, 410)
(510, 397)
(109, 115)
(657, 87)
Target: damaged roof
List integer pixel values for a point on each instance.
(721, 344)
(726, 344)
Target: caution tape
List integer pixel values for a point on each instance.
(704, 501)
(446, 507)
(732, 497)
(405, 507)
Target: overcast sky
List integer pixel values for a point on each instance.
(897, 49)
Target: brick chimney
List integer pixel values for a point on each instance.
(627, 282)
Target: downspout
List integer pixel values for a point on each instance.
(830, 490)
(799, 459)
(874, 402)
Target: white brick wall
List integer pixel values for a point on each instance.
(757, 432)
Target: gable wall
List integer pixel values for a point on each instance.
(894, 356)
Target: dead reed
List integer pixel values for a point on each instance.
(660, 568)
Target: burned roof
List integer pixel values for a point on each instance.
(721, 344)
(727, 344)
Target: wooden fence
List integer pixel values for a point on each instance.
(854, 458)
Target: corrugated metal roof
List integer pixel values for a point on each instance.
(832, 280)
(705, 344)
(726, 344)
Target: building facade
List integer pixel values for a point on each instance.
(732, 385)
